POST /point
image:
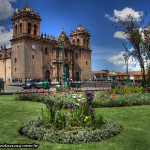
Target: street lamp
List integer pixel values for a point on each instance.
(63, 73)
(126, 57)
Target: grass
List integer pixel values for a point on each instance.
(134, 136)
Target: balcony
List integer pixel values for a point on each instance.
(57, 61)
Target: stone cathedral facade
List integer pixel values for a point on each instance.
(40, 56)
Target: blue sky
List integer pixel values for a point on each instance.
(94, 15)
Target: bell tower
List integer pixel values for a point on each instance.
(81, 37)
(25, 43)
(26, 23)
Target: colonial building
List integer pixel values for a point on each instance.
(133, 76)
(40, 56)
(100, 75)
(112, 76)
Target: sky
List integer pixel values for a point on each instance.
(97, 16)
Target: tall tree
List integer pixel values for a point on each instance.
(137, 34)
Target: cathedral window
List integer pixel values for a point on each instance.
(73, 41)
(16, 29)
(15, 59)
(32, 56)
(86, 62)
(65, 53)
(15, 69)
(20, 28)
(57, 54)
(78, 41)
(84, 43)
(76, 56)
(87, 43)
(29, 28)
(46, 51)
(35, 29)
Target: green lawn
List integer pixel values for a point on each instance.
(135, 134)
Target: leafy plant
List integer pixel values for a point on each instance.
(34, 130)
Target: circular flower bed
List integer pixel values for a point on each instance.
(34, 129)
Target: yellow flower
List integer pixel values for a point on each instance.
(86, 117)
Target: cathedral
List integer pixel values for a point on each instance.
(40, 56)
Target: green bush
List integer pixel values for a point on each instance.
(35, 97)
(62, 89)
(121, 96)
(110, 100)
(34, 130)
(126, 90)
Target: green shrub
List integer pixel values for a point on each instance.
(34, 130)
(126, 90)
(36, 97)
(80, 113)
(108, 98)
(62, 89)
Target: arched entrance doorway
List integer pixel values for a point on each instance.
(67, 70)
(47, 75)
(77, 76)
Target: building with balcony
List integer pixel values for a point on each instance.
(100, 75)
(112, 76)
(133, 76)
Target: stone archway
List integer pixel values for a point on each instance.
(47, 75)
(67, 70)
(77, 76)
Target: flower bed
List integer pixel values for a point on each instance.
(78, 124)
(34, 130)
(108, 98)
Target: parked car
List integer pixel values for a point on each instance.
(34, 83)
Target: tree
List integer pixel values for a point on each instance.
(137, 34)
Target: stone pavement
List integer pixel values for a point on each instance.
(17, 87)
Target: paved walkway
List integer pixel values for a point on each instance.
(15, 88)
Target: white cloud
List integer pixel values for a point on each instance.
(123, 14)
(118, 60)
(112, 18)
(101, 52)
(6, 9)
(120, 35)
(5, 36)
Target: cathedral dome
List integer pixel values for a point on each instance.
(80, 28)
(26, 8)
(59, 37)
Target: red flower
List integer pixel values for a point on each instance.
(127, 98)
(138, 95)
(101, 95)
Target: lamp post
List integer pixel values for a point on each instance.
(126, 57)
(63, 73)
